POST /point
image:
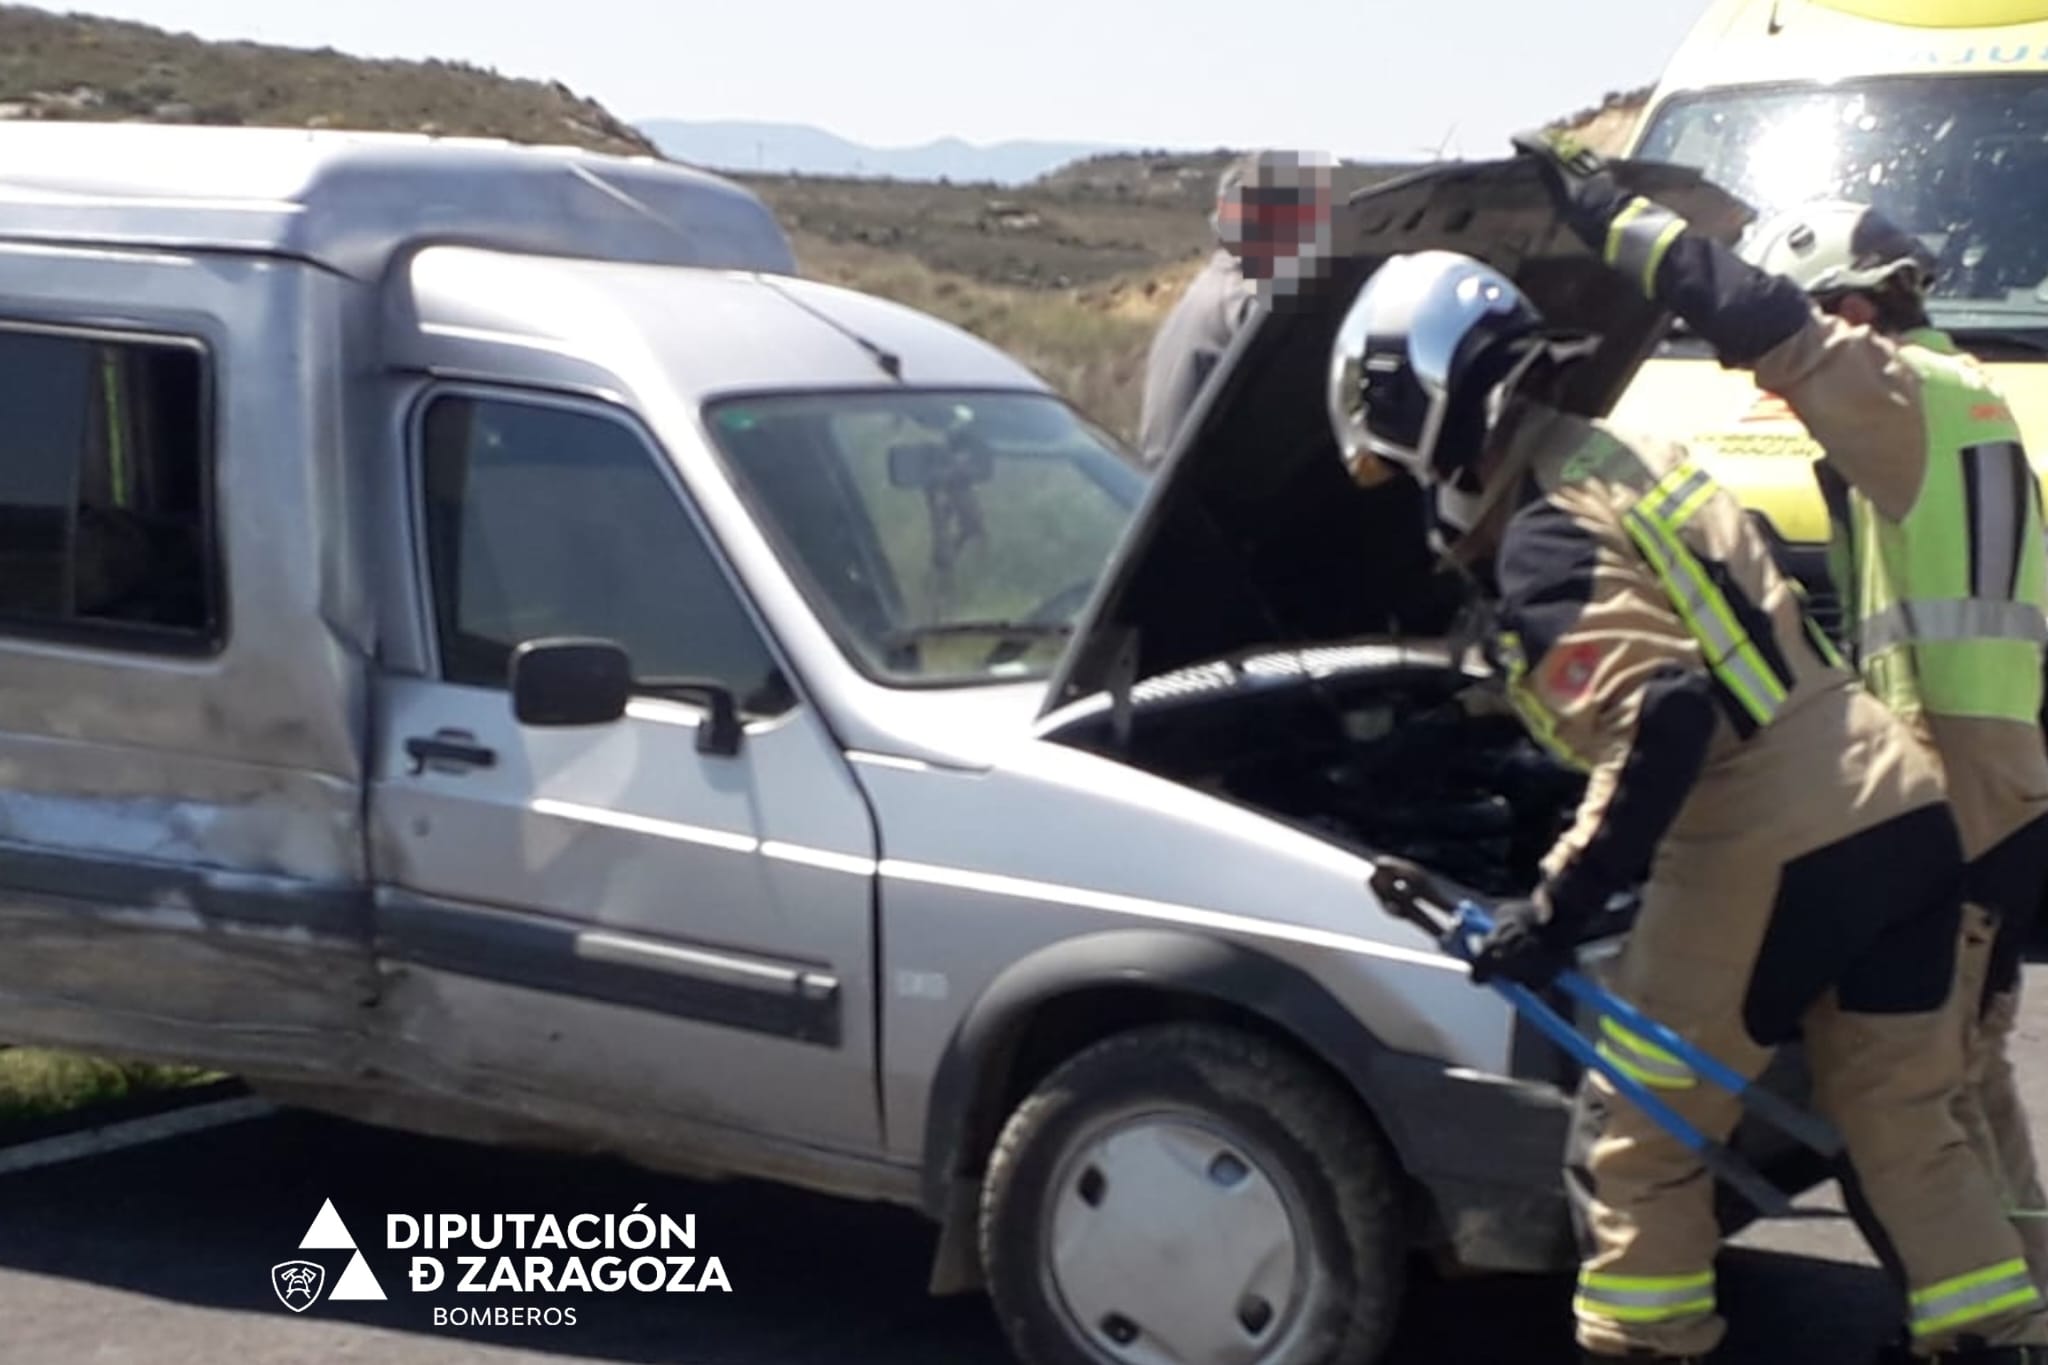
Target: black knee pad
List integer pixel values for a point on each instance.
(2010, 881)
(1874, 916)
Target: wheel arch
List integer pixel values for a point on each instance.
(1047, 1006)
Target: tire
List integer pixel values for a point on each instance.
(1192, 1193)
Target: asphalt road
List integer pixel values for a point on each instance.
(162, 1255)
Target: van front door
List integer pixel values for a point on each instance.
(606, 923)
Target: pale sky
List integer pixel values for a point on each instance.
(1387, 78)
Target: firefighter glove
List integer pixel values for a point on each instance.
(1631, 234)
(1578, 179)
(1522, 946)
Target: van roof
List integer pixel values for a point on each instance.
(1769, 42)
(699, 333)
(1944, 13)
(353, 201)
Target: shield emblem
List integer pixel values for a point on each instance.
(298, 1283)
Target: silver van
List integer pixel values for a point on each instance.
(488, 649)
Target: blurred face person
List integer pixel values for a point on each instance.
(1274, 215)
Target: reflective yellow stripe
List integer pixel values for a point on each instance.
(1648, 1074)
(1828, 652)
(1955, 621)
(1693, 502)
(1734, 658)
(1617, 231)
(1628, 1298)
(1821, 642)
(1658, 250)
(1594, 1308)
(1972, 1298)
(1673, 1073)
(1699, 593)
(1974, 1280)
(2025, 1297)
(1731, 654)
(1542, 725)
(1638, 240)
(1539, 719)
(1635, 1041)
(1600, 1279)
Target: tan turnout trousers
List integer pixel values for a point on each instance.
(1808, 886)
(1998, 785)
(1850, 388)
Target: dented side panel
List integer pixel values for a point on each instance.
(181, 852)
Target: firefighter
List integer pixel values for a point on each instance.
(1937, 548)
(1804, 870)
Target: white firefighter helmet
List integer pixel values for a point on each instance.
(1422, 361)
(1838, 246)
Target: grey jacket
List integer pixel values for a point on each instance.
(1186, 348)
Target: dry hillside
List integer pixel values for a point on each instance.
(1093, 221)
(1608, 125)
(1071, 273)
(80, 67)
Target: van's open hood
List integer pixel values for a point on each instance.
(1252, 536)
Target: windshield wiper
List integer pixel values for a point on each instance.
(1009, 630)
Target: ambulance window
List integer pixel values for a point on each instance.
(1960, 161)
(106, 517)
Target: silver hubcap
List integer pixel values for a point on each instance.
(1170, 1242)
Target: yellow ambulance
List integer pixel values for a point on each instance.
(1934, 111)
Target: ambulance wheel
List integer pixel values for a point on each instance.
(1187, 1194)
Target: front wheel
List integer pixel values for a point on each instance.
(1192, 1195)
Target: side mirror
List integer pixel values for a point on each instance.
(564, 682)
(721, 731)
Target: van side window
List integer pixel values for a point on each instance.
(105, 505)
(548, 521)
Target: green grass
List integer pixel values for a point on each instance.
(36, 1083)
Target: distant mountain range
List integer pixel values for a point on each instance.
(807, 150)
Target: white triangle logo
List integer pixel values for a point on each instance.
(327, 1232)
(356, 1282)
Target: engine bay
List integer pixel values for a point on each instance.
(1413, 757)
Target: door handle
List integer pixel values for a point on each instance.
(457, 747)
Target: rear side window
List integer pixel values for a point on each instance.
(106, 525)
(549, 521)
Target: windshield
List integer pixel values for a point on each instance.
(943, 537)
(1962, 162)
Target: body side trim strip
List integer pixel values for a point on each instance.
(792, 1001)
